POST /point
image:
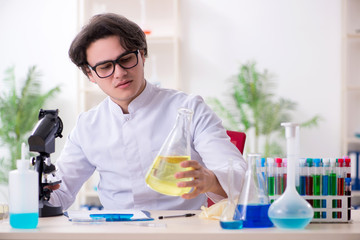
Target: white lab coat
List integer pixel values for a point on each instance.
(121, 147)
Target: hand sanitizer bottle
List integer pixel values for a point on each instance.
(23, 195)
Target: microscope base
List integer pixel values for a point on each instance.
(48, 210)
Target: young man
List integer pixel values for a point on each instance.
(122, 135)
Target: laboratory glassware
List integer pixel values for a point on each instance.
(279, 180)
(333, 184)
(284, 173)
(174, 150)
(340, 182)
(271, 177)
(253, 201)
(23, 195)
(325, 183)
(317, 184)
(347, 167)
(290, 210)
(231, 217)
(309, 179)
(303, 174)
(348, 193)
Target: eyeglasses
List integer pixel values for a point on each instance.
(126, 60)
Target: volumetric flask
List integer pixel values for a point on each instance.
(291, 211)
(174, 150)
(254, 201)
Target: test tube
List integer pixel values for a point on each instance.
(348, 183)
(270, 177)
(340, 182)
(260, 174)
(303, 173)
(348, 193)
(316, 184)
(309, 179)
(263, 169)
(278, 176)
(263, 166)
(333, 183)
(347, 167)
(284, 172)
(325, 182)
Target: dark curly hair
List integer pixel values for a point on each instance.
(101, 26)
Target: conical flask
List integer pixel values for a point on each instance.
(174, 150)
(230, 217)
(291, 211)
(253, 202)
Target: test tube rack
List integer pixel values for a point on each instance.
(329, 214)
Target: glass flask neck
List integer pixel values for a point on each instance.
(290, 181)
(182, 125)
(254, 188)
(292, 149)
(178, 141)
(183, 119)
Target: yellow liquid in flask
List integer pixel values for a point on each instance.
(161, 176)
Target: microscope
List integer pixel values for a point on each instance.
(42, 141)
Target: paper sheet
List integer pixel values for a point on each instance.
(139, 215)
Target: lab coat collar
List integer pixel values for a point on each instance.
(137, 103)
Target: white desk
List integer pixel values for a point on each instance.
(177, 228)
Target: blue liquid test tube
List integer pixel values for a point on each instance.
(261, 177)
(263, 170)
(348, 193)
(302, 174)
(325, 183)
(263, 167)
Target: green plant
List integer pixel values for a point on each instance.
(254, 109)
(19, 109)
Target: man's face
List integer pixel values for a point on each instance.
(124, 85)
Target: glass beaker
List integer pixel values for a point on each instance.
(174, 150)
(253, 202)
(291, 211)
(230, 217)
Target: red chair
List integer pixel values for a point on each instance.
(238, 139)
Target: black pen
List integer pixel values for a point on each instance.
(175, 216)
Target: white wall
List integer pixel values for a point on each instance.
(298, 40)
(39, 32)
